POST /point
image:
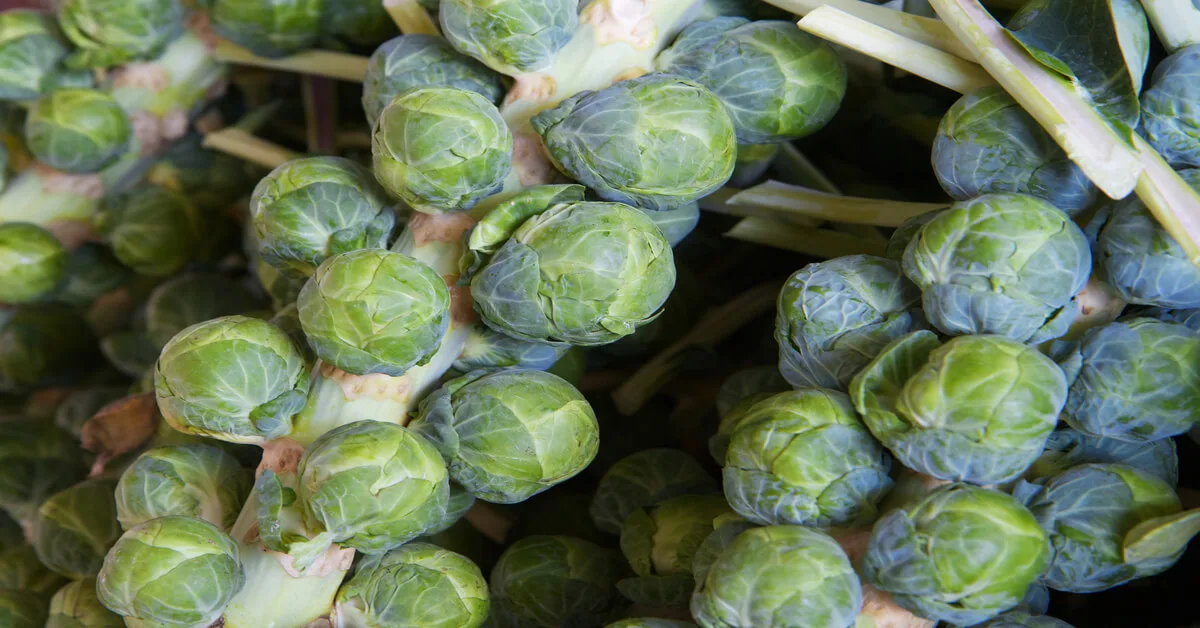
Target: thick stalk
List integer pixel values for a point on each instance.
(411, 17)
(1177, 22)
(926, 30)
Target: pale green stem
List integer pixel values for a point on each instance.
(334, 65)
(411, 17)
(788, 202)
(792, 166)
(926, 30)
(1177, 22)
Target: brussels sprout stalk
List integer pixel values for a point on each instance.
(926, 30)
(335, 65)
(411, 17)
(793, 203)
(1177, 22)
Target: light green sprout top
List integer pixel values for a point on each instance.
(511, 36)
(32, 262)
(74, 528)
(193, 480)
(114, 32)
(270, 28)
(659, 542)
(415, 586)
(77, 130)
(644, 479)
(415, 61)
(78, 606)
(29, 52)
(552, 581)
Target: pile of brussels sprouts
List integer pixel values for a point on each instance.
(389, 386)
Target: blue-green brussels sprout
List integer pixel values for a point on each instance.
(509, 435)
(441, 148)
(1169, 108)
(642, 480)
(487, 348)
(1140, 260)
(32, 262)
(29, 53)
(269, 28)
(808, 460)
(78, 606)
(152, 230)
(511, 36)
(649, 622)
(41, 345)
(833, 317)
(308, 209)
(1006, 264)
(676, 223)
(552, 581)
(360, 22)
(234, 378)
(18, 609)
(1139, 381)
(779, 577)
(1067, 448)
(193, 480)
(20, 568)
(415, 585)
(171, 571)
(1108, 524)
(657, 141)
(75, 527)
(115, 32)
(416, 61)
(77, 130)
(961, 554)
(749, 386)
(37, 460)
(975, 409)
(987, 143)
(1021, 619)
(92, 270)
(186, 300)
(374, 311)
(778, 82)
(659, 542)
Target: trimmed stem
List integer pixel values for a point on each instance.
(411, 17)
(926, 30)
(334, 65)
(1177, 22)
(822, 243)
(790, 202)
(241, 144)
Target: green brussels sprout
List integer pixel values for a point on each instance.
(725, 531)
(20, 568)
(1169, 109)
(192, 480)
(29, 53)
(441, 148)
(833, 317)
(649, 622)
(42, 345)
(415, 61)
(975, 409)
(487, 348)
(509, 435)
(987, 143)
(78, 606)
(1108, 524)
(776, 577)
(1138, 381)
(1005, 264)
(92, 270)
(808, 460)
(778, 82)
(415, 585)
(511, 36)
(1021, 619)
(233, 378)
(1140, 260)
(18, 609)
(37, 460)
(115, 32)
(192, 298)
(547, 581)
(657, 141)
(77, 130)
(360, 22)
(75, 527)
(32, 262)
(374, 311)
(642, 480)
(308, 209)
(659, 543)
(961, 554)
(1067, 448)
(172, 571)
(269, 28)
(676, 223)
(152, 230)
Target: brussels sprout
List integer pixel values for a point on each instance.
(961, 554)
(92, 270)
(1005, 264)
(776, 577)
(441, 148)
(1170, 107)
(269, 28)
(1021, 619)
(659, 543)
(649, 622)
(361, 22)
(749, 386)
(41, 345)
(37, 460)
(77, 130)
(416, 585)
(415, 61)
(976, 409)
(374, 311)
(1108, 524)
(676, 223)
(552, 581)
(642, 480)
(987, 143)
(115, 32)
(233, 378)
(1140, 260)
(152, 230)
(805, 459)
(778, 82)
(186, 300)
(308, 209)
(1139, 381)
(509, 435)
(172, 571)
(487, 348)
(835, 316)
(511, 36)
(29, 53)
(32, 262)
(74, 528)
(20, 568)
(191, 480)
(1067, 448)
(18, 609)
(78, 606)
(657, 141)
